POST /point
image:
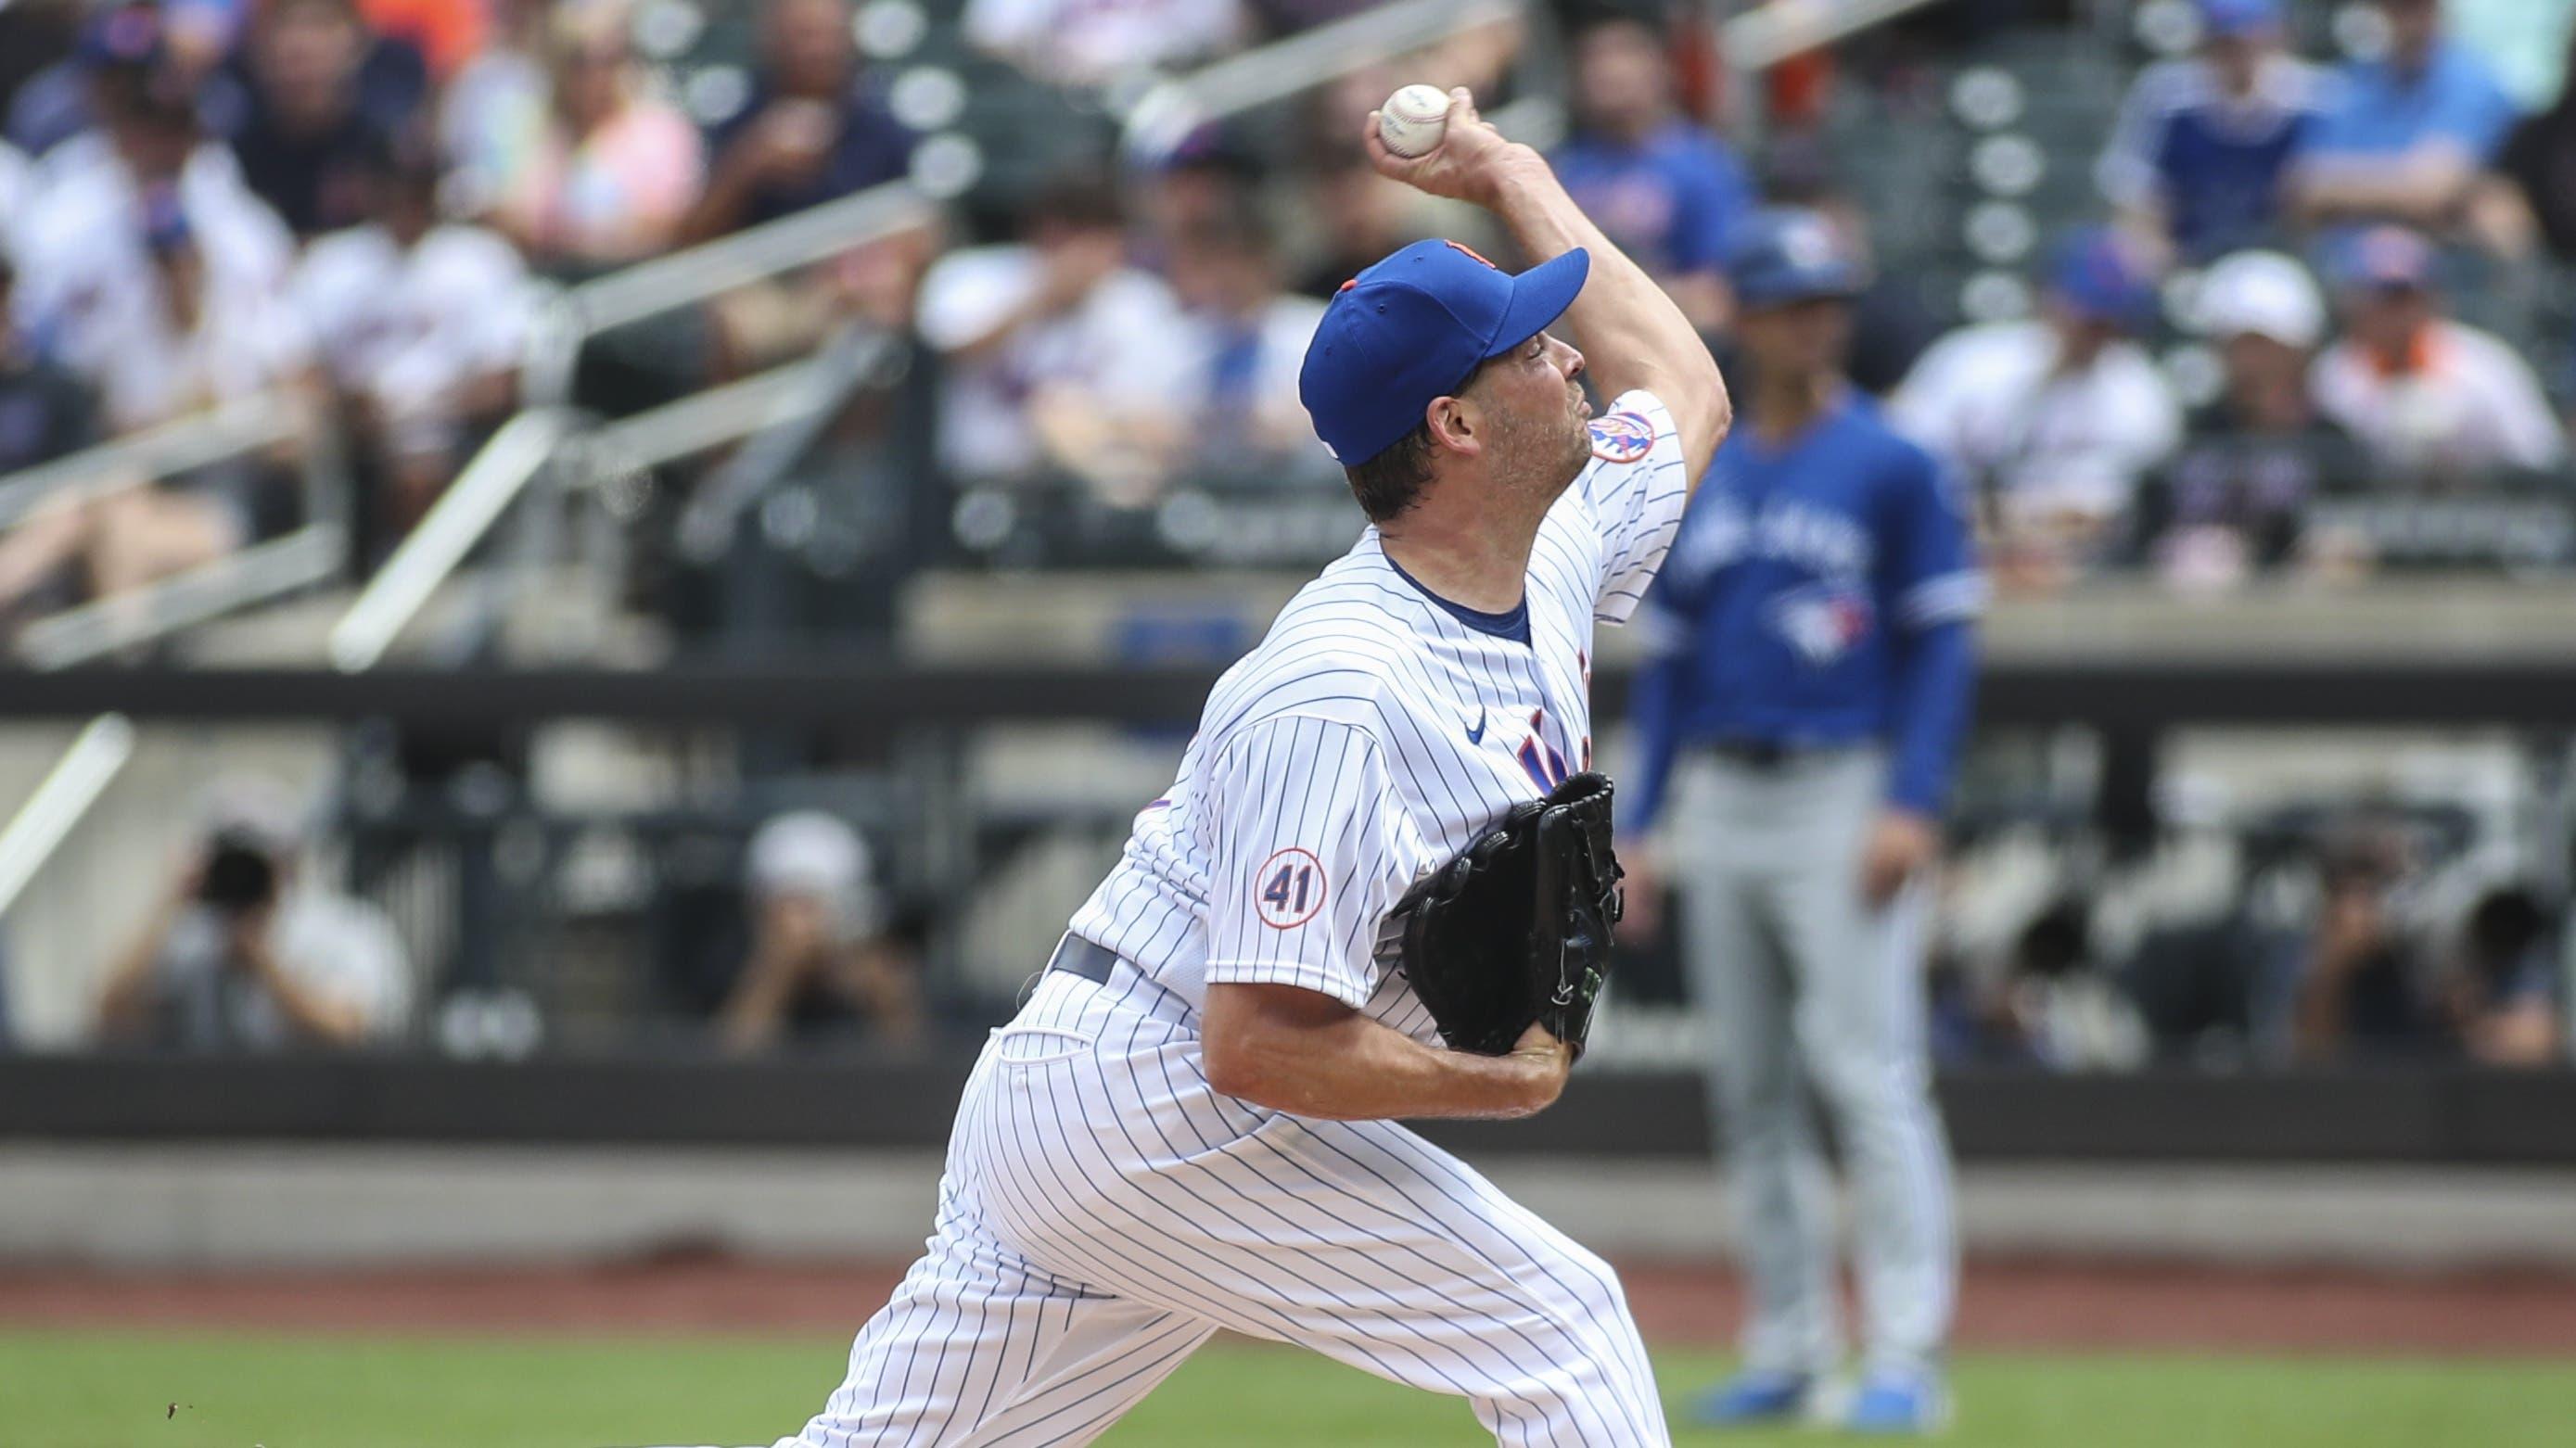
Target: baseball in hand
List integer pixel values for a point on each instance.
(1413, 120)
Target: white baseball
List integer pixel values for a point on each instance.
(1413, 120)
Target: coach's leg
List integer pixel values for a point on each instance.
(1777, 1185)
(1861, 1024)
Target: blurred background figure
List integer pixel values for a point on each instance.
(247, 951)
(317, 95)
(1083, 43)
(1661, 186)
(2500, 995)
(2198, 157)
(2052, 420)
(2364, 985)
(1814, 657)
(1044, 335)
(2432, 398)
(598, 170)
(1233, 416)
(824, 964)
(420, 323)
(813, 128)
(2233, 502)
(2409, 136)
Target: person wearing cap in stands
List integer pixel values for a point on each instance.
(2430, 397)
(2052, 420)
(821, 963)
(1812, 657)
(2198, 155)
(2235, 498)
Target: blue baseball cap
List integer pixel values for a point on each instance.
(1413, 328)
(122, 37)
(2239, 17)
(2100, 276)
(1789, 254)
(2384, 258)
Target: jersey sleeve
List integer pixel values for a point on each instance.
(1932, 575)
(1308, 858)
(1637, 487)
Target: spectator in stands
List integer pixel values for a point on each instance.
(420, 325)
(157, 277)
(2360, 991)
(812, 130)
(318, 95)
(1084, 43)
(2407, 137)
(2429, 397)
(1043, 334)
(603, 172)
(45, 412)
(1661, 187)
(2234, 499)
(1233, 413)
(248, 952)
(117, 44)
(822, 963)
(2056, 419)
(2500, 997)
(505, 77)
(2540, 160)
(2197, 159)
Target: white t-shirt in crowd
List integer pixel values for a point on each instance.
(409, 327)
(1120, 343)
(1282, 331)
(1991, 401)
(343, 949)
(2469, 402)
(87, 282)
(1086, 42)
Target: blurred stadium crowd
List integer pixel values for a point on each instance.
(2190, 290)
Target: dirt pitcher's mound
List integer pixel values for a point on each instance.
(2009, 1304)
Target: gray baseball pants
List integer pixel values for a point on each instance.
(1803, 984)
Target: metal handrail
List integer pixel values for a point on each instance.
(1167, 112)
(713, 268)
(516, 454)
(61, 798)
(226, 430)
(462, 514)
(1766, 35)
(307, 556)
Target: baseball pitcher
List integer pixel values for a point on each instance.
(1381, 887)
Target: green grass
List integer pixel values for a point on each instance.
(114, 1389)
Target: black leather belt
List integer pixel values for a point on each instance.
(1077, 956)
(1755, 753)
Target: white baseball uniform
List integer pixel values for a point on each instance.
(1104, 1210)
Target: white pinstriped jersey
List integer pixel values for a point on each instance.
(1373, 734)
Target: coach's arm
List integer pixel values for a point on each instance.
(1307, 1054)
(1632, 334)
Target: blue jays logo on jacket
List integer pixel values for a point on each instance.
(1822, 621)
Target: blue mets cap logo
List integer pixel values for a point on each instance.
(1622, 437)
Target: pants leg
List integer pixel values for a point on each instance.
(980, 1349)
(1860, 1026)
(1116, 1166)
(1777, 1183)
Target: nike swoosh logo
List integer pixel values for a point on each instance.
(1477, 734)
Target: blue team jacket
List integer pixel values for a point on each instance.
(1820, 593)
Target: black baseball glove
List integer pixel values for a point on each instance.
(1517, 928)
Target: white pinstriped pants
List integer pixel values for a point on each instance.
(1104, 1212)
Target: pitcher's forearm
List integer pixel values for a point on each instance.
(1304, 1054)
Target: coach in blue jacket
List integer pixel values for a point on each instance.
(1814, 658)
